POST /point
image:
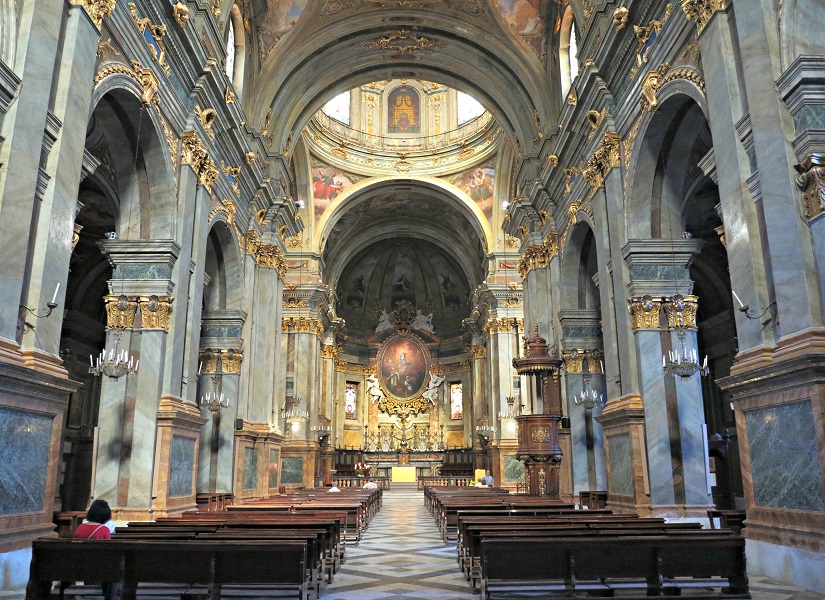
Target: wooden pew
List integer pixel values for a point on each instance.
(712, 565)
(220, 569)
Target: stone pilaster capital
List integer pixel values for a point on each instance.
(477, 352)
(702, 10)
(681, 311)
(120, 311)
(644, 312)
(97, 9)
(155, 312)
(220, 360)
(539, 256)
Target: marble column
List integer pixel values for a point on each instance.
(56, 211)
(27, 124)
(726, 107)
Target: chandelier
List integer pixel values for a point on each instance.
(295, 417)
(684, 362)
(214, 401)
(323, 430)
(589, 397)
(115, 363)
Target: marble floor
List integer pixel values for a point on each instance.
(402, 557)
(428, 569)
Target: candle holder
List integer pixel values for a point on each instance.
(115, 363)
(214, 402)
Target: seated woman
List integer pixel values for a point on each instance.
(96, 527)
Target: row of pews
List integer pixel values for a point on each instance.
(513, 543)
(287, 546)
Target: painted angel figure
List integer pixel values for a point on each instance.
(374, 389)
(432, 387)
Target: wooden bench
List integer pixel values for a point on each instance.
(713, 566)
(219, 569)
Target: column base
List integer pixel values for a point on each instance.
(10, 353)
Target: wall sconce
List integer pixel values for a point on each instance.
(50, 306)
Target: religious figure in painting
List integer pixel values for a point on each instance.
(403, 368)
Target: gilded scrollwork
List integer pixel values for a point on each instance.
(181, 13)
(539, 256)
(644, 312)
(120, 311)
(573, 360)
(403, 41)
(702, 10)
(97, 9)
(155, 311)
(156, 32)
(681, 311)
(477, 351)
(605, 157)
(811, 180)
(194, 153)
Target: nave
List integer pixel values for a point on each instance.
(402, 556)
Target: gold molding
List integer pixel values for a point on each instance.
(580, 206)
(155, 312)
(681, 312)
(120, 311)
(207, 118)
(329, 350)
(194, 154)
(229, 96)
(620, 16)
(644, 312)
(605, 157)
(157, 32)
(295, 302)
(403, 42)
(702, 10)
(811, 180)
(230, 359)
(461, 367)
(181, 13)
(573, 361)
(302, 325)
(97, 9)
(539, 256)
(477, 352)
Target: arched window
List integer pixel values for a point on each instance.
(568, 51)
(403, 110)
(235, 49)
(338, 108)
(467, 107)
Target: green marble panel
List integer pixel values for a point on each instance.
(784, 457)
(513, 470)
(621, 468)
(292, 469)
(181, 466)
(250, 468)
(25, 440)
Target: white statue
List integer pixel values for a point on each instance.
(373, 389)
(423, 322)
(432, 387)
(383, 322)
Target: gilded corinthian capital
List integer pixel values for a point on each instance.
(97, 9)
(702, 10)
(155, 312)
(644, 312)
(681, 311)
(120, 312)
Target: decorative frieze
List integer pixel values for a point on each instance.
(539, 256)
(328, 351)
(477, 352)
(229, 360)
(265, 255)
(461, 367)
(302, 325)
(155, 312)
(681, 311)
(97, 9)
(811, 181)
(403, 41)
(644, 312)
(120, 312)
(194, 153)
(605, 157)
(573, 361)
(702, 10)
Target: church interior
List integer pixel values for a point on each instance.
(286, 244)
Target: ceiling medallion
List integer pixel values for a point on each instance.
(403, 41)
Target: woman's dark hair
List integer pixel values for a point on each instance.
(99, 512)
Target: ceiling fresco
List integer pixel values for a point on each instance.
(527, 18)
(280, 17)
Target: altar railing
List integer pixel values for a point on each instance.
(444, 480)
(344, 481)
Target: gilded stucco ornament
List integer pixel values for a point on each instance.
(477, 352)
(231, 360)
(539, 256)
(194, 154)
(650, 85)
(580, 206)
(811, 180)
(120, 311)
(644, 312)
(681, 311)
(155, 312)
(573, 361)
(620, 17)
(156, 32)
(181, 13)
(207, 118)
(605, 157)
(97, 9)
(702, 10)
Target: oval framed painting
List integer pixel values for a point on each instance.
(402, 367)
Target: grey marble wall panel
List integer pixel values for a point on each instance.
(181, 466)
(135, 271)
(578, 441)
(621, 468)
(24, 460)
(784, 457)
(657, 427)
(274, 457)
(250, 468)
(691, 434)
(292, 469)
(513, 470)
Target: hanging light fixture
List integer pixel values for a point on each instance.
(589, 397)
(295, 417)
(117, 361)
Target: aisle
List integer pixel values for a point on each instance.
(400, 556)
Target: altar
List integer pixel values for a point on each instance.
(403, 474)
(420, 463)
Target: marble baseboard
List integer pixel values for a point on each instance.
(789, 565)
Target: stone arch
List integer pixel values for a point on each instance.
(577, 267)
(342, 205)
(660, 138)
(224, 289)
(800, 29)
(8, 31)
(143, 182)
(340, 55)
